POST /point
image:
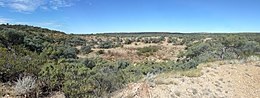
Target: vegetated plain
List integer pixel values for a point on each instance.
(38, 62)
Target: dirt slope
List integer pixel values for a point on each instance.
(220, 80)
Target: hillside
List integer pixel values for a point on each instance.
(38, 62)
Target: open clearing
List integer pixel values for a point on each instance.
(167, 52)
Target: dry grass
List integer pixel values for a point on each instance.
(191, 73)
(6, 90)
(130, 53)
(25, 85)
(168, 52)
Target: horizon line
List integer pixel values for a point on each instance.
(129, 32)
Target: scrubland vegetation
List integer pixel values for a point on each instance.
(35, 62)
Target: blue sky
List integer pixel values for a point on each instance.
(95, 16)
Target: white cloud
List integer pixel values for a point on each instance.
(5, 20)
(32, 5)
(1, 4)
(25, 5)
(55, 4)
(49, 24)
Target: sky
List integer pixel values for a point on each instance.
(99, 16)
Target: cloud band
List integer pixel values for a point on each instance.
(32, 5)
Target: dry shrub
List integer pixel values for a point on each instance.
(25, 85)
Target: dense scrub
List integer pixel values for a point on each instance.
(220, 48)
(47, 61)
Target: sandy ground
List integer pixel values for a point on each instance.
(240, 80)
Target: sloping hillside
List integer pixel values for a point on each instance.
(228, 79)
(37, 62)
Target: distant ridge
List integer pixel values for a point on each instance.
(166, 33)
(141, 33)
(29, 28)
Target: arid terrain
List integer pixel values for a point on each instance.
(129, 49)
(42, 63)
(222, 79)
(167, 51)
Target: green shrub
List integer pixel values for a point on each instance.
(106, 45)
(76, 82)
(186, 65)
(75, 41)
(85, 49)
(143, 68)
(52, 77)
(147, 51)
(250, 48)
(19, 61)
(14, 37)
(197, 49)
(108, 79)
(70, 52)
(127, 41)
(123, 64)
(34, 43)
(100, 52)
(89, 63)
(174, 41)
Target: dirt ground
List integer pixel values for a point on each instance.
(220, 80)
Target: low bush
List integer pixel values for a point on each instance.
(147, 50)
(123, 64)
(106, 45)
(70, 52)
(75, 41)
(25, 86)
(226, 48)
(85, 49)
(76, 82)
(127, 41)
(12, 36)
(51, 76)
(89, 63)
(186, 65)
(18, 61)
(100, 52)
